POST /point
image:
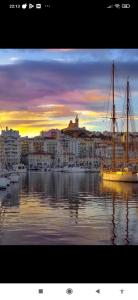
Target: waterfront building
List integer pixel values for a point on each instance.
(64, 150)
(68, 150)
(11, 146)
(35, 144)
(37, 160)
(104, 150)
(52, 133)
(2, 151)
(87, 151)
(24, 145)
(42, 149)
(50, 145)
(119, 151)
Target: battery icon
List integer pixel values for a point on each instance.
(126, 5)
(38, 5)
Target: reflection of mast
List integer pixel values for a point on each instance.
(113, 219)
(2, 219)
(127, 109)
(76, 215)
(74, 210)
(127, 222)
(113, 120)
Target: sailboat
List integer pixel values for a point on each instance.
(124, 174)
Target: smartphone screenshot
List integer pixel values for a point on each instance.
(69, 173)
(68, 150)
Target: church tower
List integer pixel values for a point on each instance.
(77, 121)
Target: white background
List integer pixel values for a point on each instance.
(58, 291)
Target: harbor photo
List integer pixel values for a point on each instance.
(69, 147)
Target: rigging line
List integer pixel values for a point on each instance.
(122, 123)
(131, 115)
(108, 94)
(124, 112)
(107, 110)
(116, 124)
(106, 103)
(119, 95)
(133, 130)
(118, 87)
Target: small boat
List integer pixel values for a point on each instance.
(20, 168)
(8, 181)
(4, 180)
(93, 169)
(3, 183)
(33, 169)
(57, 169)
(74, 169)
(14, 178)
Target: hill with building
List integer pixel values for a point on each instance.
(74, 130)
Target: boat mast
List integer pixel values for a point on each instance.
(113, 120)
(127, 110)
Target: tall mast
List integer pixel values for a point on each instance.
(127, 124)
(113, 119)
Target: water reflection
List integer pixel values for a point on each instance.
(57, 208)
(123, 188)
(126, 191)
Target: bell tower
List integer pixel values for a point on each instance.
(77, 121)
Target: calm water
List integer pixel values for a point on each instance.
(63, 209)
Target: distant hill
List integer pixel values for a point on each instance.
(78, 133)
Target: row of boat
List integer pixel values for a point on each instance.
(6, 180)
(68, 169)
(11, 176)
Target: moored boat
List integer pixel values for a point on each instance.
(14, 178)
(57, 169)
(3, 183)
(74, 169)
(124, 176)
(20, 168)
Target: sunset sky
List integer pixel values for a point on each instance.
(41, 89)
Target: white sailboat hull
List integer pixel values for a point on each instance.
(57, 169)
(76, 169)
(3, 183)
(120, 176)
(93, 170)
(20, 168)
(14, 178)
(73, 169)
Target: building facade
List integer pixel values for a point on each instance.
(11, 147)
